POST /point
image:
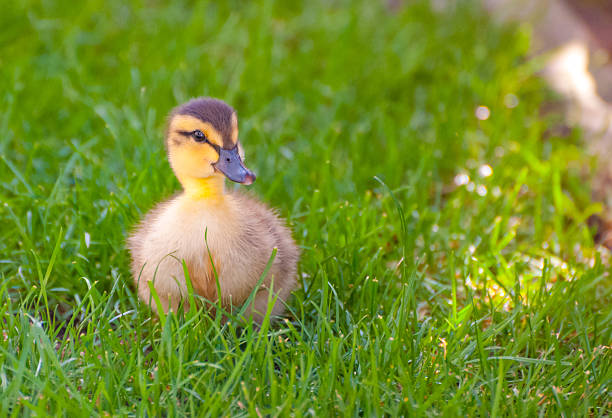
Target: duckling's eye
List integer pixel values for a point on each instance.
(199, 136)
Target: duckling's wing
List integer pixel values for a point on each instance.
(263, 221)
(263, 229)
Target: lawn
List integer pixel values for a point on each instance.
(440, 204)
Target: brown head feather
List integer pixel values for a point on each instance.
(213, 111)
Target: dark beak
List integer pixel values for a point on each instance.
(232, 166)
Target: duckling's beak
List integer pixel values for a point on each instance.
(231, 165)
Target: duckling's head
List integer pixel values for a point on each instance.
(202, 142)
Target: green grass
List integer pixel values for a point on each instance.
(418, 296)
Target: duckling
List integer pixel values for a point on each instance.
(218, 233)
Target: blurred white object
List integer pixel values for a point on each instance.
(561, 32)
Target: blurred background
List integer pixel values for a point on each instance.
(575, 39)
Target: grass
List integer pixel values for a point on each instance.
(447, 268)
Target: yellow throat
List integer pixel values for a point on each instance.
(210, 188)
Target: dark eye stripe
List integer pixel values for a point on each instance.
(185, 133)
(202, 139)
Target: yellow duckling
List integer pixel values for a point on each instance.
(241, 232)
